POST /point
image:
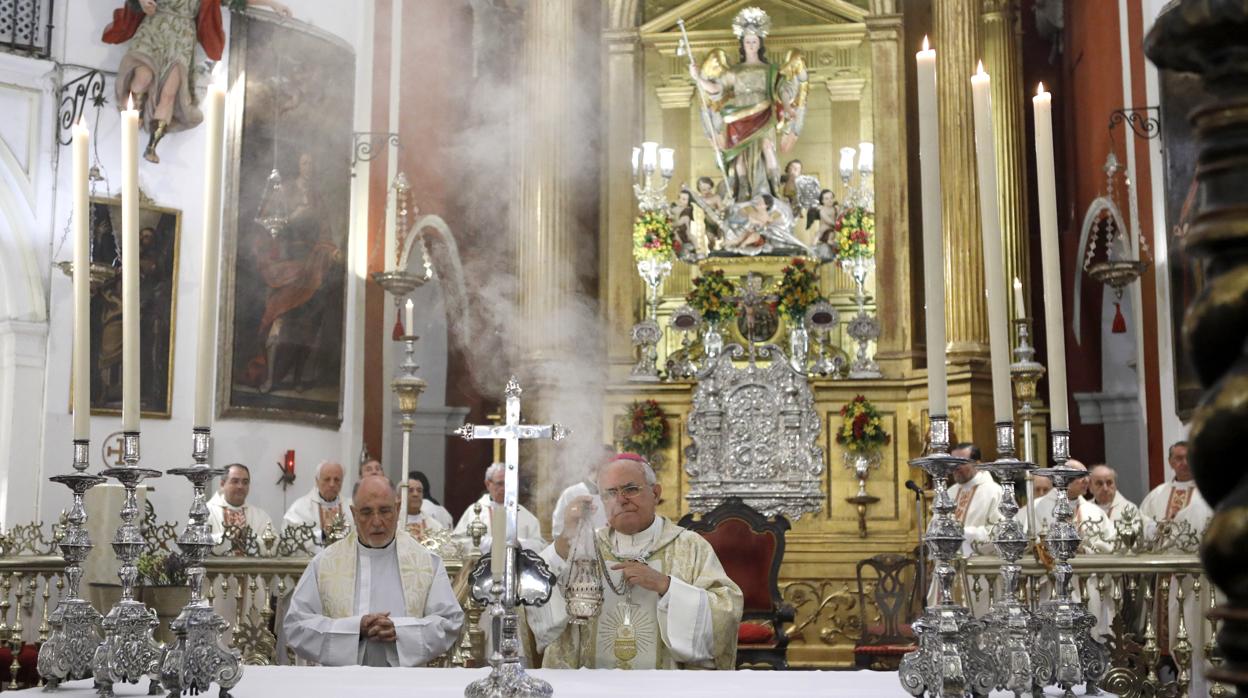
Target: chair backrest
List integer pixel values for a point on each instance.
(894, 593)
(749, 546)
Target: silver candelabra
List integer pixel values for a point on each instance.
(200, 655)
(1009, 625)
(1064, 651)
(128, 652)
(650, 160)
(68, 651)
(949, 661)
(863, 328)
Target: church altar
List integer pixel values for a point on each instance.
(312, 682)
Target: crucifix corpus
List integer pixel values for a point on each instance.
(513, 576)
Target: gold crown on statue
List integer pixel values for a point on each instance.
(751, 20)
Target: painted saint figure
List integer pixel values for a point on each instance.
(157, 66)
(752, 107)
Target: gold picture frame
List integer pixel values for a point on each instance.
(160, 235)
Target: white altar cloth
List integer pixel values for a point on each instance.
(382, 682)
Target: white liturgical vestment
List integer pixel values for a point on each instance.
(693, 625)
(528, 530)
(976, 506)
(347, 581)
(1176, 501)
(1120, 507)
(313, 509)
(221, 514)
(439, 512)
(581, 489)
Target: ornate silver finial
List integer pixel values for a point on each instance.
(513, 388)
(751, 20)
(558, 432)
(464, 432)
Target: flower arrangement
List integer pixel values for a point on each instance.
(798, 289)
(862, 429)
(709, 296)
(854, 234)
(159, 568)
(647, 433)
(653, 237)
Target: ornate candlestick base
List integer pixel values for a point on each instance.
(646, 335)
(200, 655)
(1064, 651)
(68, 651)
(1009, 625)
(508, 678)
(128, 652)
(949, 661)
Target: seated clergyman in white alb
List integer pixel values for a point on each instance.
(376, 597)
(417, 521)
(1103, 484)
(667, 603)
(1177, 501)
(229, 507)
(322, 505)
(528, 530)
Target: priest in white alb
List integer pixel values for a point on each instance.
(528, 529)
(322, 505)
(1103, 484)
(667, 602)
(977, 500)
(376, 597)
(1178, 500)
(228, 507)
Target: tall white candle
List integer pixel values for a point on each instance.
(994, 262)
(408, 323)
(82, 286)
(1046, 193)
(1020, 307)
(130, 268)
(933, 243)
(206, 347)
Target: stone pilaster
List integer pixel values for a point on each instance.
(894, 272)
(845, 93)
(955, 38)
(1001, 33)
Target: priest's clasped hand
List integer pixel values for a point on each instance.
(377, 626)
(643, 575)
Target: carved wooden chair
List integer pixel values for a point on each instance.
(751, 547)
(890, 581)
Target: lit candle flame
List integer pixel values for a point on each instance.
(1040, 89)
(980, 69)
(926, 46)
(130, 102)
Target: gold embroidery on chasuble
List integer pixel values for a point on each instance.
(1179, 498)
(234, 517)
(965, 495)
(335, 576)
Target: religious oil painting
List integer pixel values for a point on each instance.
(288, 204)
(159, 230)
(1179, 93)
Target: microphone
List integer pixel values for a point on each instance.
(914, 487)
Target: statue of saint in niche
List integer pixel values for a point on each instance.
(157, 68)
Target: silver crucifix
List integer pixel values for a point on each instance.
(526, 579)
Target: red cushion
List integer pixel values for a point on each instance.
(754, 634)
(746, 556)
(27, 658)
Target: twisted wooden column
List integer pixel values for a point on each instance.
(1206, 37)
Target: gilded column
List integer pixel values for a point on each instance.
(621, 117)
(957, 50)
(895, 291)
(1001, 32)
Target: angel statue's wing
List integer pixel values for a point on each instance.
(791, 88)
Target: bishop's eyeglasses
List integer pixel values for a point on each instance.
(629, 491)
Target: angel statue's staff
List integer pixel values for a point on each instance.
(687, 50)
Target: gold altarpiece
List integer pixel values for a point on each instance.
(858, 57)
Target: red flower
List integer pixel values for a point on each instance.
(860, 423)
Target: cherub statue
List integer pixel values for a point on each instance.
(751, 107)
(157, 67)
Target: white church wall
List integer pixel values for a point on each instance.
(176, 182)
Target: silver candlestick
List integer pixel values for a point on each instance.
(200, 655)
(1009, 625)
(647, 333)
(128, 652)
(1064, 651)
(949, 661)
(863, 328)
(68, 651)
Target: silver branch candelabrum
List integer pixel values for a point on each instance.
(863, 328)
(949, 661)
(128, 652)
(1025, 373)
(1064, 650)
(68, 651)
(200, 655)
(653, 168)
(1009, 625)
